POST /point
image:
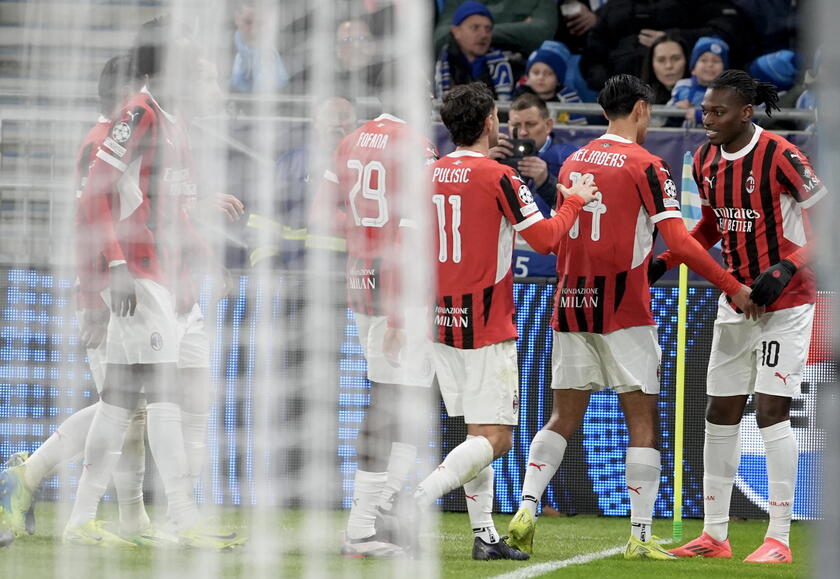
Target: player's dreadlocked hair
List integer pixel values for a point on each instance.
(752, 91)
(116, 74)
(463, 112)
(152, 42)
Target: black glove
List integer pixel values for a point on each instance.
(770, 283)
(656, 269)
(123, 294)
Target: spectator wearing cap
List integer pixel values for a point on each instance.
(545, 75)
(469, 56)
(779, 68)
(709, 58)
(520, 25)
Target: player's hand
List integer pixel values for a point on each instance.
(123, 293)
(502, 150)
(647, 36)
(582, 22)
(93, 327)
(584, 188)
(742, 300)
(232, 207)
(656, 270)
(770, 283)
(392, 345)
(534, 168)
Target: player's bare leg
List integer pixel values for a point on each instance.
(544, 458)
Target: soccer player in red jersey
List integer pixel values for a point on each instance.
(756, 189)
(479, 207)
(604, 333)
(360, 203)
(135, 209)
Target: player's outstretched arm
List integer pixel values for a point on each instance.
(544, 235)
(706, 234)
(686, 249)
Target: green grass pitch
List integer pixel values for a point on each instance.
(558, 538)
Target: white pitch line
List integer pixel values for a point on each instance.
(549, 566)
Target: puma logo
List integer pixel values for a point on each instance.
(440, 467)
(782, 378)
(537, 466)
(473, 498)
(636, 490)
(710, 181)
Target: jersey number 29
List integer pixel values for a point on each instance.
(370, 180)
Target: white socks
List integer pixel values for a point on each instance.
(479, 495)
(402, 460)
(367, 488)
(194, 428)
(166, 441)
(128, 477)
(721, 456)
(544, 458)
(782, 463)
(67, 441)
(460, 466)
(102, 452)
(641, 472)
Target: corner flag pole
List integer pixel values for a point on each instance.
(691, 215)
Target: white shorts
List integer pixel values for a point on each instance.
(624, 360)
(767, 355)
(150, 336)
(193, 342)
(417, 365)
(97, 361)
(482, 385)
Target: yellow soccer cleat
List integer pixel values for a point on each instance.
(206, 535)
(152, 536)
(94, 534)
(521, 531)
(638, 549)
(15, 499)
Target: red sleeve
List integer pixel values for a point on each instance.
(327, 217)
(705, 232)
(119, 149)
(544, 235)
(795, 173)
(657, 191)
(687, 250)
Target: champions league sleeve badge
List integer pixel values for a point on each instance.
(121, 132)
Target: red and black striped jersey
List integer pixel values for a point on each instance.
(479, 205)
(758, 195)
(91, 270)
(360, 200)
(602, 264)
(138, 193)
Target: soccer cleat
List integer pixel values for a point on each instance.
(94, 534)
(374, 546)
(206, 535)
(6, 538)
(704, 546)
(638, 549)
(490, 551)
(153, 536)
(15, 499)
(521, 530)
(387, 526)
(771, 551)
(18, 459)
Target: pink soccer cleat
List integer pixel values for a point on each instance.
(771, 551)
(704, 546)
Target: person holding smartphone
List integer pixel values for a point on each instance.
(537, 161)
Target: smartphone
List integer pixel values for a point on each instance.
(569, 9)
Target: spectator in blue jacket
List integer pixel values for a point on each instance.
(469, 56)
(529, 119)
(709, 58)
(254, 70)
